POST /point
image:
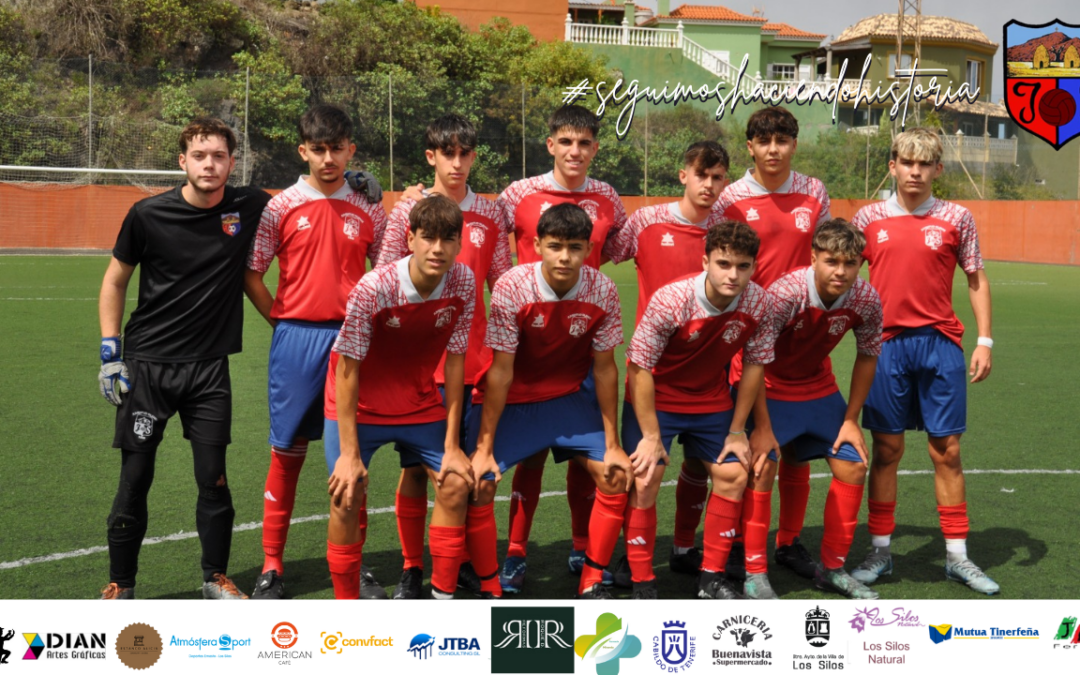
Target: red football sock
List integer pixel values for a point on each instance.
(640, 528)
(580, 488)
(882, 518)
(756, 515)
(344, 561)
(480, 540)
(447, 546)
(411, 516)
(954, 521)
(794, 487)
(607, 520)
(721, 517)
(523, 501)
(841, 517)
(278, 500)
(691, 494)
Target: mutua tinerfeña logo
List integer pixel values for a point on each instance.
(72, 646)
(1042, 79)
(674, 649)
(947, 631)
(741, 641)
(532, 639)
(1068, 634)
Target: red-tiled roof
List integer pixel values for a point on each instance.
(784, 30)
(711, 13)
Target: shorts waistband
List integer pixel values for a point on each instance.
(915, 332)
(336, 325)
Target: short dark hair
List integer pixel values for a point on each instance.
(450, 131)
(705, 155)
(565, 221)
(437, 216)
(839, 237)
(206, 126)
(769, 122)
(734, 237)
(325, 123)
(574, 117)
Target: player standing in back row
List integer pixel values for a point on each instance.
(914, 242)
(784, 207)
(191, 243)
(573, 142)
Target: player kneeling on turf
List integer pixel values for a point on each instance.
(802, 413)
(677, 386)
(550, 321)
(381, 389)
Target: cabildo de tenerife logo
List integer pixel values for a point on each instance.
(611, 643)
(220, 647)
(948, 631)
(674, 649)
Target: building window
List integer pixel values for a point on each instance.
(968, 128)
(974, 74)
(781, 71)
(905, 64)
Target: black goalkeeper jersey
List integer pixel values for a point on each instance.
(191, 282)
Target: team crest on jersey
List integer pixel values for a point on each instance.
(393, 322)
(837, 325)
(579, 324)
(733, 331)
(932, 236)
(477, 233)
(751, 214)
(882, 236)
(799, 325)
(538, 321)
(667, 239)
(693, 336)
(352, 225)
(230, 223)
(443, 317)
(144, 424)
(802, 218)
(591, 208)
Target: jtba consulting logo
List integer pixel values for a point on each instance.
(532, 640)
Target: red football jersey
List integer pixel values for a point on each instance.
(912, 257)
(399, 338)
(687, 342)
(785, 220)
(807, 333)
(320, 243)
(485, 249)
(553, 339)
(525, 200)
(664, 245)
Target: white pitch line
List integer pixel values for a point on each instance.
(246, 527)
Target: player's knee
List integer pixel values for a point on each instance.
(417, 476)
(731, 475)
(215, 490)
(453, 493)
(486, 493)
(946, 453)
(852, 473)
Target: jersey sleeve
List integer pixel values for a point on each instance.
(267, 237)
(610, 334)
(506, 202)
(861, 219)
(969, 257)
(394, 245)
(654, 330)
(625, 244)
(761, 347)
(502, 329)
(354, 340)
(785, 304)
(501, 261)
(131, 240)
(616, 228)
(868, 335)
(380, 224)
(466, 290)
(822, 196)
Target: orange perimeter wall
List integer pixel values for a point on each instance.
(89, 217)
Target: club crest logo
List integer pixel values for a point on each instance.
(477, 233)
(591, 208)
(733, 331)
(837, 325)
(1042, 79)
(230, 223)
(802, 218)
(817, 627)
(674, 649)
(144, 424)
(443, 317)
(579, 324)
(352, 226)
(932, 236)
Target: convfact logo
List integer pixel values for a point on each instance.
(532, 640)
